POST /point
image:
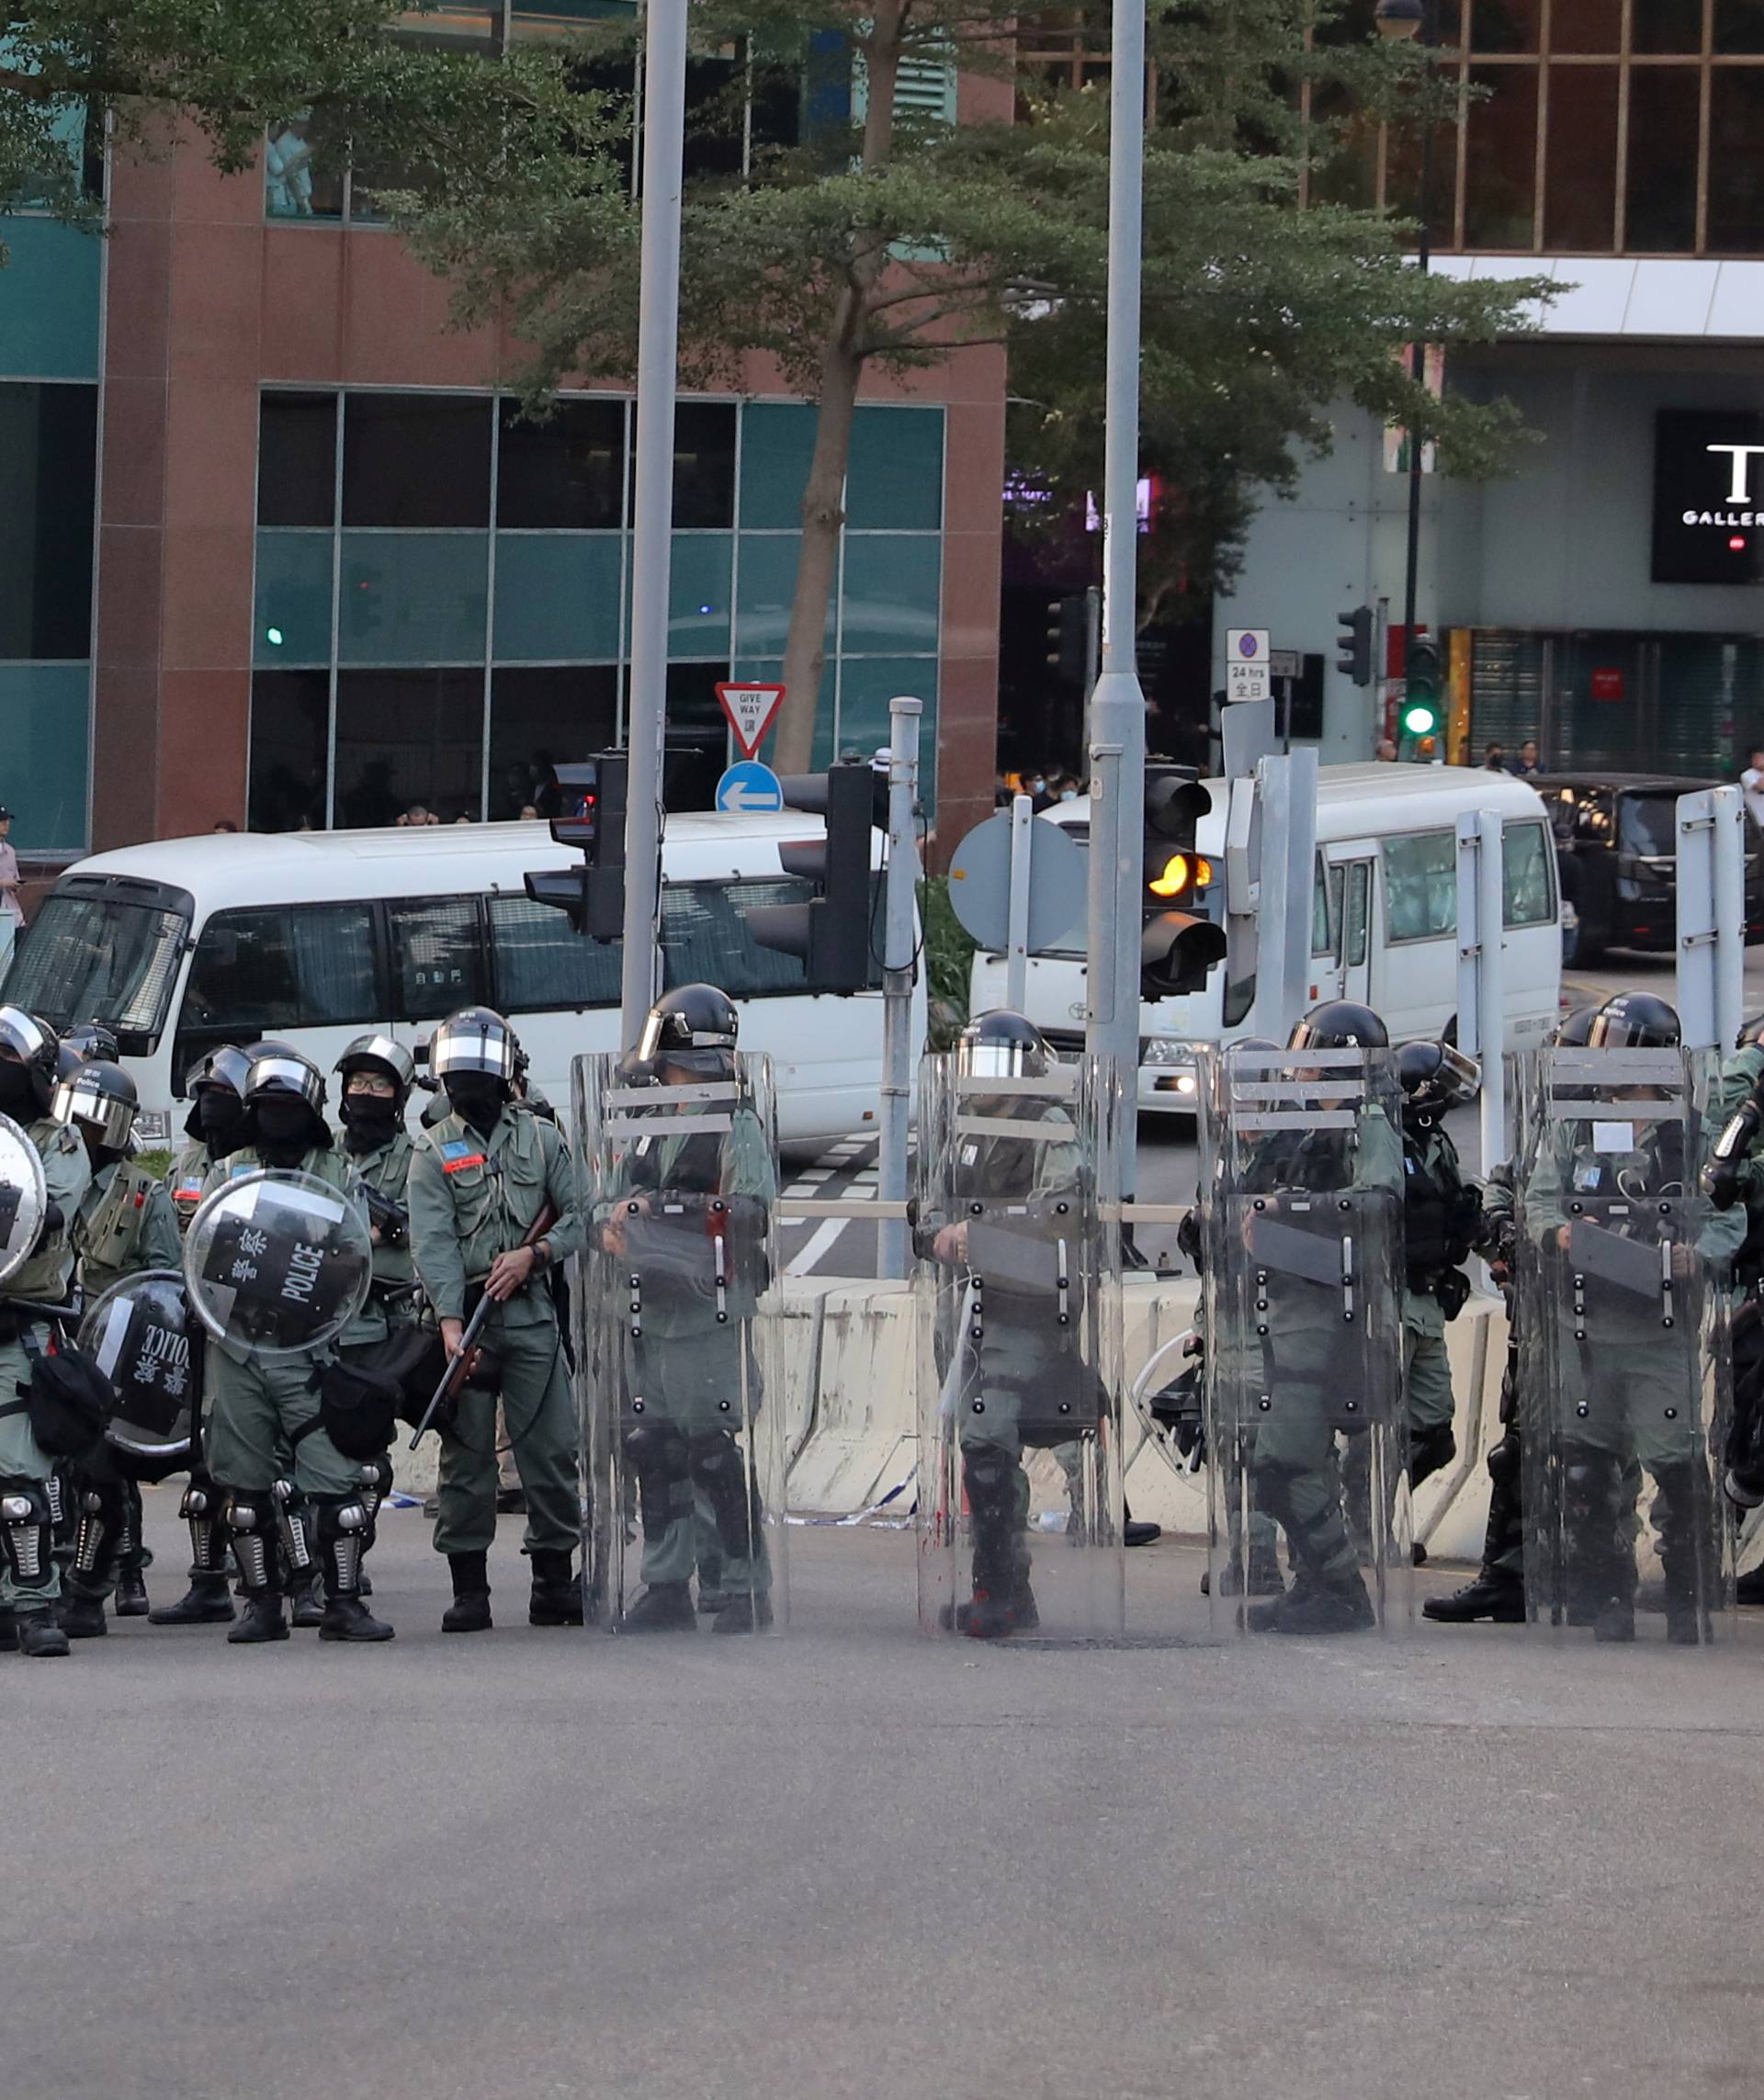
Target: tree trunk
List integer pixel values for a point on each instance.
(842, 369)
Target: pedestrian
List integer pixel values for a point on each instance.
(12, 910)
(483, 1177)
(1751, 784)
(224, 824)
(1525, 764)
(124, 1225)
(1386, 753)
(1494, 759)
(268, 1448)
(29, 1579)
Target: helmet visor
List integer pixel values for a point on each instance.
(82, 1101)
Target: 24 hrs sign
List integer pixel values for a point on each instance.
(1708, 496)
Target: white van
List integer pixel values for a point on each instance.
(1384, 922)
(315, 936)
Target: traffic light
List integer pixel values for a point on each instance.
(1353, 645)
(1423, 690)
(1177, 947)
(1068, 637)
(831, 932)
(593, 895)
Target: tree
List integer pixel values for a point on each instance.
(230, 68)
(876, 232)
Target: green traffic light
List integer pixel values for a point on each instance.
(1420, 720)
(273, 635)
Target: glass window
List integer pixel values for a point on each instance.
(542, 965)
(293, 594)
(557, 597)
(1505, 25)
(437, 957)
(892, 590)
(1647, 824)
(704, 464)
(1500, 166)
(286, 965)
(1661, 186)
(777, 441)
(1739, 25)
(1735, 165)
(1580, 178)
(291, 733)
(48, 465)
(414, 597)
(539, 719)
(89, 958)
(764, 585)
(1673, 26)
(705, 938)
(895, 482)
(305, 161)
(45, 722)
(867, 683)
(698, 582)
(715, 114)
(1588, 25)
(563, 474)
(297, 460)
(1526, 857)
(1356, 913)
(415, 459)
(1420, 885)
(409, 740)
(1322, 915)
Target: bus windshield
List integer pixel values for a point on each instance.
(87, 958)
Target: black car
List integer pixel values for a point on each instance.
(1616, 853)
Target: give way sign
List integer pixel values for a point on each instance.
(750, 710)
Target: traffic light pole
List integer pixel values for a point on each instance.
(664, 105)
(1117, 732)
(900, 954)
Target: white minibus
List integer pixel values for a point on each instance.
(315, 936)
(1384, 921)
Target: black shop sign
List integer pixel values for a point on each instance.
(1708, 497)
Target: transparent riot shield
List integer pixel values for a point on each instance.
(681, 1456)
(1621, 1266)
(1016, 1226)
(1302, 1224)
(148, 1343)
(23, 1197)
(277, 1264)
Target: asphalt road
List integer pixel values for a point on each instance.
(853, 1861)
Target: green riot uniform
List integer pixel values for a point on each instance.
(471, 1198)
(394, 1298)
(259, 1411)
(125, 1224)
(697, 1373)
(45, 1277)
(186, 1179)
(1439, 1216)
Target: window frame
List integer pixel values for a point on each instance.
(481, 994)
(1385, 841)
(189, 1039)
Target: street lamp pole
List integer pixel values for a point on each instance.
(1402, 20)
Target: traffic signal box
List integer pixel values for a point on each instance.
(831, 932)
(1423, 710)
(1353, 645)
(592, 896)
(1177, 945)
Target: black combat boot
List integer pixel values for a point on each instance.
(743, 1615)
(251, 1521)
(306, 1598)
(556, 1594)
(1690, 1558)
(341, 1526)
(207, 1602)
(661, 1608)
(81, 1617)
(131, 1601)
(1317, 1604)
(37, 1632)
(469, 1612)
(1495, 1596)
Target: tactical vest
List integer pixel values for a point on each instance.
(106, 1234)
(1434, 1237)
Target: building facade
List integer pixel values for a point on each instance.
(292, 557)
(1617, 147)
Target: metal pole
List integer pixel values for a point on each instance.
(1117, 706)
(1729, 810)
(1016, 941)
(1418, 352)
(900, 948)
(1300, 847)
(664, 105)
(1492, 1021)
(1697, 929)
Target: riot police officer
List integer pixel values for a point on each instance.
(482, 1179)
(263, 1409)
(125, 1224)
(691, 1357)
(30, 1581)
(1496, 1593)
(1734, 1176)
(1308, 1363)
(1626, 1371)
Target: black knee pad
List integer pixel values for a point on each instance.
(25, 1527)
(249, 1516)
(100, 1527)
(657, 1455)
(719, 1470)
(989, 1473)
(1504, 1460)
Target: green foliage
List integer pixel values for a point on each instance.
(155, 1160)
(948, 954)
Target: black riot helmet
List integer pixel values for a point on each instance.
(93, 1041)
(474, 1042)
(692, 1029)
(32, 1044)
(217, 1091)
(99, 1099)
(1340, 1024)
(1436, 1077)
(67, 1062)
(285, 1105)
(377, 1053)
(1003, 1045)
(228, 1067)
(1635, 1020)
(1573, 1029)
(283, 1071)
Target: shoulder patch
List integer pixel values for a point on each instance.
(458, 1153)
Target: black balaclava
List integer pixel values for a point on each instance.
(221, 1118)
(282, 1127)
(369, 1121)
(477, 1097)
(17, 1091)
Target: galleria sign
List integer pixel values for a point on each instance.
(1708, 496)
